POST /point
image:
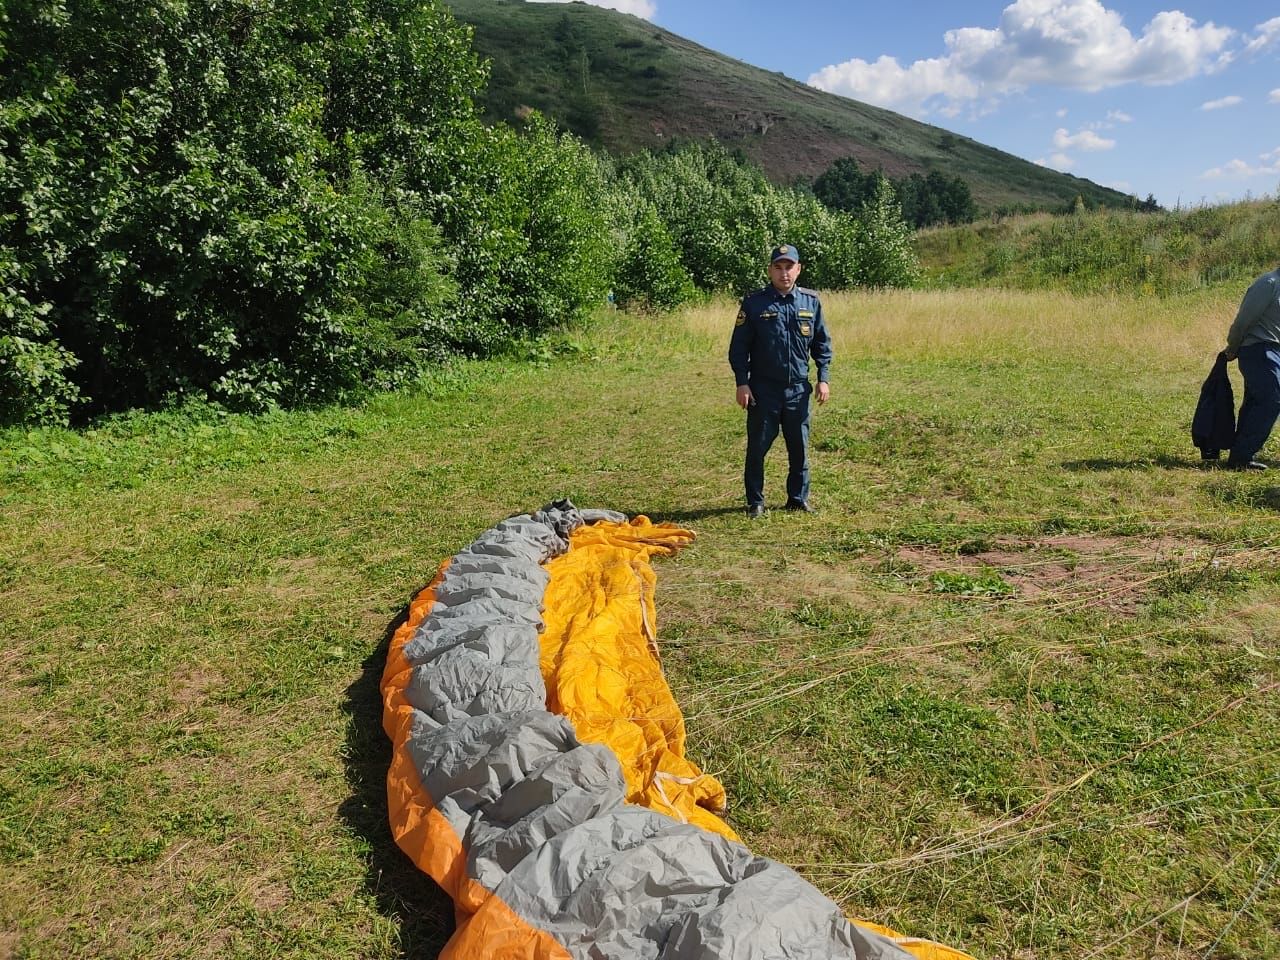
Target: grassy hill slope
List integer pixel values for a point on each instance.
(1164, 253)
(624, 84)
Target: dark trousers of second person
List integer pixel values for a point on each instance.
(785, 408)
(1260, 367)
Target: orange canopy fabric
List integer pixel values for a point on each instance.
(600, 663)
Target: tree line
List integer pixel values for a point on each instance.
(269, 204)
(925, 200)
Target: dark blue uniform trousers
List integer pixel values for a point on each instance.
(778, 406)
(1260, 366)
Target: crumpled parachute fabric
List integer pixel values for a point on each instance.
(538, 772)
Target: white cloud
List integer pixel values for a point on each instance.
(1076, 44)
(1274, 96)
(1114, 117)
(1086, 140)
(1268, 165)
(889, 84)
(645, 9)
(1061, 113)
(1221, 103)
(1059, 161)
(1267, 35)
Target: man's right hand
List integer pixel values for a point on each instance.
(1229, 353)
(745, 399)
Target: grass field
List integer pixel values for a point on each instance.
(1016, 687)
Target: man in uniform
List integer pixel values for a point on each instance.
(1254, 340)
(778, 329)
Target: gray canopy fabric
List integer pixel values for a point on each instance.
(540, 850)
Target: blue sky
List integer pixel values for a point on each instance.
(1181, 100)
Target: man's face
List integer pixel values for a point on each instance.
(783, 274)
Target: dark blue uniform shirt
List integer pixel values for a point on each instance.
(775, 335)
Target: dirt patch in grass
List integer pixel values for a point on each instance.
(234, 507)
(1115, 574)
(268, 895)
(191, 686)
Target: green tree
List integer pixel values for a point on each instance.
(923, 200)
(724, 215)
(952, 197)
(649, 274)
(525, 216)
(886, 255)
(828, 241)
(35, 369)
(224, 198)
(843, 186)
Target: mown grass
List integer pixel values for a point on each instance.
(1014, 688)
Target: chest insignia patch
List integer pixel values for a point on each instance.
(805, 328)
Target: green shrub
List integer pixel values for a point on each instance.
(525, 217)
(34, 383)
(828, 241)
(649, 274)
(724, 216)
(923, 200)
(187, 187)
(886, 251)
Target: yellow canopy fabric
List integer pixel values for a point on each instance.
(599, 659)
(602, 670)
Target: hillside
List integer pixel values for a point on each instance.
(1167, 253)
(625, 84)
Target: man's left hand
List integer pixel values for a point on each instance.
(824, 392)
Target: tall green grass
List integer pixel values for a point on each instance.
(1153, 254)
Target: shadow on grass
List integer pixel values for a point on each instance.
(1142, 463)
(405, 895)
(1263, 498)
(684, 516)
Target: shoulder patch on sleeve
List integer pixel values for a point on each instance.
(742, 317)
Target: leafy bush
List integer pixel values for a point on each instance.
(724, 216)
(526, 215)
(186, 187)
(649, 274)
(886, 249)
(924, 200)
(828, 241)
(33, 368)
